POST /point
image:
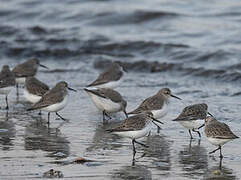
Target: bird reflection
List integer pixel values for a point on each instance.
(7, 134)
(132, 172)
(220, 172)
(103, 139)
(193, 159)
(159, 152)
(38, 136)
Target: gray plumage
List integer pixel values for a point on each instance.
(7, 78)
(107, 93)
(193, 112)
(132, 123)
(53, 96)
(112, 73)
(36, 87)
(216, 129)
(155, 102)
(28, 68)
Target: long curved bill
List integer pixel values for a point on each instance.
(71, 89)
(157, 120)
(43, 66)
(175, 97)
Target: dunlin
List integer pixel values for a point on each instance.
(135, 127)
(26, 69)
(218, 133)
(7, 82)
(110, 78)
(107, 100)
(34, 89)
(54, 100)
(157, 104)
(192, 117)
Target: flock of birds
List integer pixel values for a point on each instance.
(138, 123)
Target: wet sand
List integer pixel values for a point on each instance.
(29, 147)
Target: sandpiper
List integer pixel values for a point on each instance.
(192, 117)
(110, 78)
(34, 89)
(7, 82)
(53, 100)
(135, 127)
(26, 69)
(157, 104)
(218, 133)
(107, 100)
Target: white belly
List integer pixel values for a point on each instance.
(111, 84)
(218, 142)
(56, 107)
(135, 134)
(105, 104)
(192, 124)
(31, 97)
(20, 80)
(161, 112)
(6, 90)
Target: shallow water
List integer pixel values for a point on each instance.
(191, 47)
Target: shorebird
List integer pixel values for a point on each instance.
(218, 133)
(34, 89)
(7, 82)
(192, 117)
(110, 78)
(107, 100)
(53, 100)
(157, 104)
(135, 127)
(27, 69)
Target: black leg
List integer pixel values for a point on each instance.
(220, 163)
(17, 90)
(197, 132)
(158, 127)
(125, 114)
(6, 102)
(40, 113)
(221, 156)
(48, 117)
(134, 149)
(60, 116)
(190, 133)
(105, 114)
(219, 147)
(141, 144)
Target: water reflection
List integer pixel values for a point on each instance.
(193, 159)
(159, 152)
(220, 172)
(39, 137)
(7, 134)
(103, 139)
(132, 172)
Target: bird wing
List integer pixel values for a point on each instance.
(49, 98)
(220, 131)
(106, 76)
(130, 124)
(191, 113)
(23, 70)
(151, 103)
(39, 89)
(106, 93)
